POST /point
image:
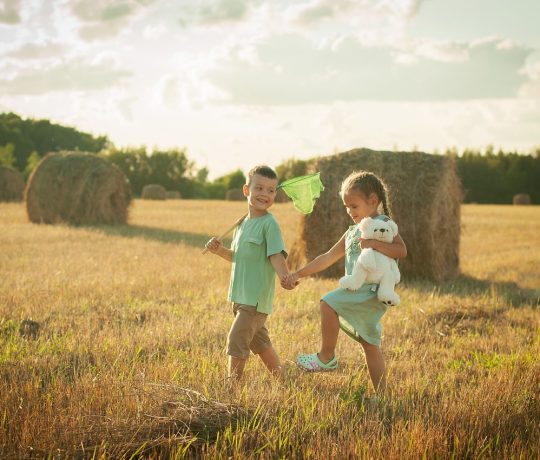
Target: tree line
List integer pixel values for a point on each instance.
(487, 176)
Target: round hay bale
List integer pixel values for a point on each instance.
(11, 184)
(424, 196)
(77, 188)
(153, 192)
(521, 198)
(235, 194)
(281, 197)
(173, 195)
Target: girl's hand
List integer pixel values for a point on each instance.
(365, 244)
(289, 281)
(214, 245)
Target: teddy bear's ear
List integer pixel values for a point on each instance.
(393, 226)
(364, 224)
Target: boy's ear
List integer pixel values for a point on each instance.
(245, 190)
(373, 199)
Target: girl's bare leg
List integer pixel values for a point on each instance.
(376, 366)
(329, 332)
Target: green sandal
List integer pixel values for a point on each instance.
(312, 363)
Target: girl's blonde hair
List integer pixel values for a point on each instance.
(366, 182)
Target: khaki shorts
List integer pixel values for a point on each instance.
(248, 332)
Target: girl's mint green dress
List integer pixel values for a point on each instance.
(360, 311)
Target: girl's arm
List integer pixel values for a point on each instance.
(395, 250)
(323, 261)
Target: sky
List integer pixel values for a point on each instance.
(239, 83)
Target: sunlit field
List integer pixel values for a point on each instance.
(125, 352)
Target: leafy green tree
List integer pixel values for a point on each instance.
(219, 187)
(170, 169)
(6, 155)
(42, 136)
(31, 164)
(491, 177)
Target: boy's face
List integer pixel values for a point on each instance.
(261, 193)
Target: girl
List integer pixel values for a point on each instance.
(359, 312)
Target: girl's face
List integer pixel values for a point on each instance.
(359, 206)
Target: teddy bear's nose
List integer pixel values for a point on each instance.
(382, 230)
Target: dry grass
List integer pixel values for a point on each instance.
(128, 355)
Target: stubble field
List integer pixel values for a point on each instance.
(125, 352)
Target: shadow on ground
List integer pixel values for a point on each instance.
(465, 286)
(155, 234)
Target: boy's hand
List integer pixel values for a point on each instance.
(289, 281)
(214, 245)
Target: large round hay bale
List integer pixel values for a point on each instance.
(11, 184)
(77, 188)
(281, 196)
(153, 192)
(235, 194)
(521, 198)
(173, 195)
(424, 197)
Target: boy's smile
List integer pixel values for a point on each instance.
(260, 194)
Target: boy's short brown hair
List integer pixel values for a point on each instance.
(262, 170)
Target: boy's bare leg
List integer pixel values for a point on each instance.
(376, 366)
(271, 360)
(329, 332)
(236, 367)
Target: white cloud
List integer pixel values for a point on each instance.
(102, 19)
(10, 12)
(75, 75)
(291, 69)
(154, 32)
(215, 12)
(353, 11)
(443, 51)
(36, 50)
(316, 10)
(531, 88)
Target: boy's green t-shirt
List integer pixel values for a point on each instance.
(252, 275)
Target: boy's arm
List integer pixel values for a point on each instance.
(323, 261)
(215, 246)
(280, 264)
(395, 250)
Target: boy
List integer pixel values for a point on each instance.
(257, 251)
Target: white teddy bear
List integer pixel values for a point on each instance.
(374, 267)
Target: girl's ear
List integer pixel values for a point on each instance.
(373, 199)
(245, 190)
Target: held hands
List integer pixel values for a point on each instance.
(214, 245)
(289, 281)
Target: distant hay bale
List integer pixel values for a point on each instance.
(153, 192)
(173, 195)
(11, 184)
(424, 197)
(235, 194)
(521, 198)
(77, 188)
(281, 197)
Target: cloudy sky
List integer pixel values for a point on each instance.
(240, 82)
